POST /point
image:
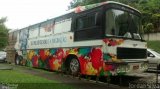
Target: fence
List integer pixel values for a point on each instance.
(152, 36)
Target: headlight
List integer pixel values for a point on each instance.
(144, 66)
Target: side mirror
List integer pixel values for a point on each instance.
(150, 55)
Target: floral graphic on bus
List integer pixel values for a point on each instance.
(54, 64)
(110, 58)
(72, 51)
(55, 61)
(113, 42)
(90, 70)
(92, 60)
(108, 70)
(35, 61)
(83, 8)
(30, 54)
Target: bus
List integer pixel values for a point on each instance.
(102, 39)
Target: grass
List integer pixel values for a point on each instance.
(154, 45)
(12, 76)
(27, 81)
(37, 69)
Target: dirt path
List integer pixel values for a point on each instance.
(66, 79)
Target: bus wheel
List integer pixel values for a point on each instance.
(17, 61)
(74, 66)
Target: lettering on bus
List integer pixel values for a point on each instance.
(49, 41)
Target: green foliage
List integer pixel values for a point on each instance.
(148, 28)
(3, 33)
(151, 13)
(150, 10)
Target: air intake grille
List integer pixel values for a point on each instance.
(131, 53)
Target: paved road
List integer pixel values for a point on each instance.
(4, 66)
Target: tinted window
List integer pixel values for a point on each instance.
(86, 21)
(81, 22)
(122, 24)
(86, 28)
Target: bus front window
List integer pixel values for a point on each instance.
(122, 24)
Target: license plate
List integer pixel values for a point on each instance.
(135, 67)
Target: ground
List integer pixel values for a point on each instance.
(59, 78)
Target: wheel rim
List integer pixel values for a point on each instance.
(74, 65)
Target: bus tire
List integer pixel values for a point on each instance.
(74, 66)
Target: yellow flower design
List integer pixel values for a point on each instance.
(73, 51)
(56, 65)
(31, 54)
(47, 53)
(90, 70)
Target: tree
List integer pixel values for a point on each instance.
(150, 13)
(3, 33)
(148, 29)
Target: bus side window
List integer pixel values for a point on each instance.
(86, 21)
(81, 22)
(86, 26)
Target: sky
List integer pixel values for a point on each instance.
(22, 13)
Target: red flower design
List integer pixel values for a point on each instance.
(35, 61)
(108, 68)
(106, 41)
(83, 63)
(96, 56)
(60, 53)
(42, 54)
(51, 65)
(112, 43)
(78, 9)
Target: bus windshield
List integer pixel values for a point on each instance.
(123, 24)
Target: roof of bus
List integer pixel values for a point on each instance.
(83, 8)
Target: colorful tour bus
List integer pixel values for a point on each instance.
(103, 39)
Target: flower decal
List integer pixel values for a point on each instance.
(113, 42)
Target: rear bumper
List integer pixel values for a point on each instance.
(135, 60)
(139, 74)
(136, 67)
